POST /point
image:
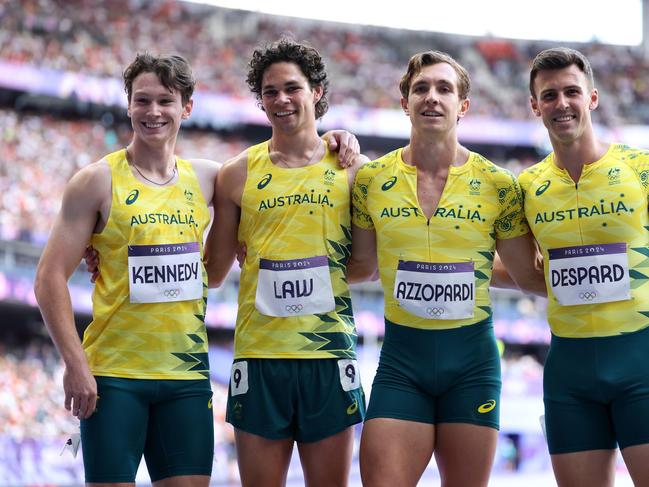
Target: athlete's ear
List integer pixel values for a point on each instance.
(594, 99)
(187, 109)
(535, 106)
(404, 106)
(318, 91)
(464, 107)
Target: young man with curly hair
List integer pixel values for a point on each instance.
(294, 377)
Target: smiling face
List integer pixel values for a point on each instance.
(433, 101)
(156, 111)
(287, 98)
(564, 98)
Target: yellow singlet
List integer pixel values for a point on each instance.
(294, 301)
(149, 301)
(594, 236)
(480, 203)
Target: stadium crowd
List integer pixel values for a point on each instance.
(365, 63)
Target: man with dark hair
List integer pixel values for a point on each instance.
(305, 57)
(434, 213)
(139, 382)
(294, 377)
(586, 204)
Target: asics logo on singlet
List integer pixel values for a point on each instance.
(487, 406)
(389, 183)
(294, 308)
(209, 404)
(588, 295)
(352, 408)
(263, 182)
(132, 196)
(541, 189)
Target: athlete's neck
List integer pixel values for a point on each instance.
(575, 155)
(296, 150)
(155, 160)
(433, 154)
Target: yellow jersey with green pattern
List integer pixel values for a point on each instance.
(594, 236)
(436, 272)
(294, 300)
(149, 301)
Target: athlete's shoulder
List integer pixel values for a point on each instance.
(205, 168)
(96, 173)
(535, 171)
(497, 174)
(91, 186)
(384, 163)
(629, 154)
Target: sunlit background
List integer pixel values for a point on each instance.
(62, 106)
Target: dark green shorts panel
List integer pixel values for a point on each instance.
(596, 392)
(170, 422)
(304, 399)
(438, 376)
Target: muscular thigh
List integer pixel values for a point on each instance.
(577, 416)
(437, 376)
(113, 438)
(180, 438)
(627, 371)
(470, 378)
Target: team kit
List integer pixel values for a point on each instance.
(438, 224)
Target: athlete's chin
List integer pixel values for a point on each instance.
(157, 137)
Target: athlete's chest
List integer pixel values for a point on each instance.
(308, 192)
(607, 204)
(464, 202)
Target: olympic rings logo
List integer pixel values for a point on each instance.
(435, 312)
(294, 308)
(172, 293)
(587, 295)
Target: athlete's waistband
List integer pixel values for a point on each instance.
(482, 324)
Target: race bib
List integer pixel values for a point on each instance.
(294, 287)
(239, 378)
(165, 273)
(350, 378)
(588, 274)
(436, 291)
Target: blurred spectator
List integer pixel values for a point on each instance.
(365, 63)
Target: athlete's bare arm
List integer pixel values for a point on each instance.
(520, 267)
(206, 173)
(85, 207)
(363, 263)
(222, 240)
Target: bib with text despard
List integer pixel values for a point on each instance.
(165, 273)
(588, 274)
(436, 291)
(294, 287)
